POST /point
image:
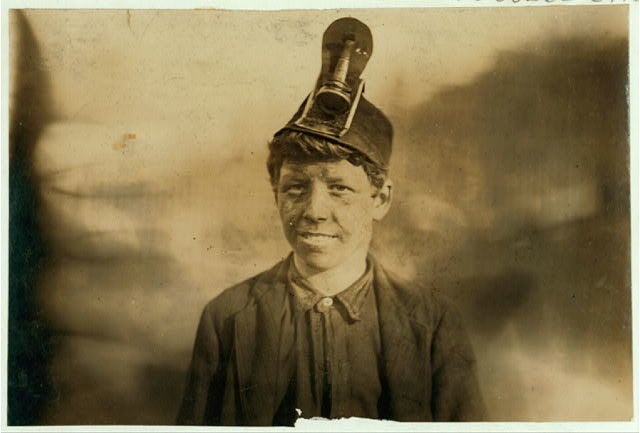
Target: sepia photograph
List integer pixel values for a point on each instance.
(265, 217)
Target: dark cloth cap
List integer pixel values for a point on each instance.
(370, 133)
(336, 109)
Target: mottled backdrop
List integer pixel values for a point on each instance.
(139, 191)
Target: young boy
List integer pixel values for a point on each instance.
(328, 332)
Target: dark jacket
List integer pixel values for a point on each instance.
(429, 370)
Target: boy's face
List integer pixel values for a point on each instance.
(327, 210)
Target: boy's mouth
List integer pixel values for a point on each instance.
(316, 235)
(316, 239)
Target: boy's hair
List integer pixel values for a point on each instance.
(300, 147)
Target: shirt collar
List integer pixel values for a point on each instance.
(352, 298)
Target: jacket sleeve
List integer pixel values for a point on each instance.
(202, 400)
(455, 390)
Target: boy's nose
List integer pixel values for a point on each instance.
(317, 204)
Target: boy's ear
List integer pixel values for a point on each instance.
(382, 200)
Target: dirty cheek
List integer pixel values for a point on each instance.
(288, 212)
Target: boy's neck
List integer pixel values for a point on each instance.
(332, 281)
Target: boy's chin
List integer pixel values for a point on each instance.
(318, 262)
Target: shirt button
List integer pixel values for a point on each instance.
(324, 304)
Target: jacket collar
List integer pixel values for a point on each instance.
(352, 298)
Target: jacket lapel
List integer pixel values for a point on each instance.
(257, 341)
(404, 350)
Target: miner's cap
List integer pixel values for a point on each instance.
(336, 108)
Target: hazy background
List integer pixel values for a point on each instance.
(139, 191)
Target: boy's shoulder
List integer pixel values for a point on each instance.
(422, 302)
(239, 296)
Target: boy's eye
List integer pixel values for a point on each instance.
(294, 188)
(340, 188)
